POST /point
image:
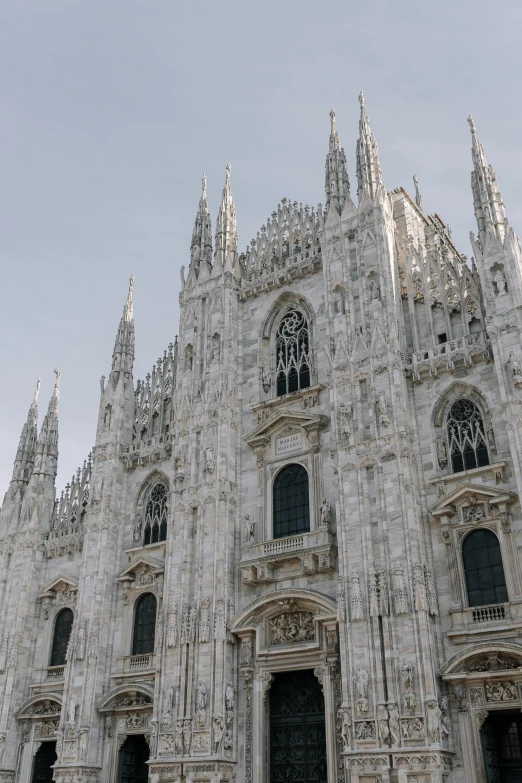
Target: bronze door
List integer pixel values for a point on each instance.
(297, 729)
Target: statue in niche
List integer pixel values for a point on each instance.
(266, 377)
(229, 697)
(218, 726)
(215, 348)
(516, 369)
(400, 593)
(71, 710)
(442, 454)
(250, 529)
(500, 282)
(361, 688)
(383, 724)
(168, 700)
(407, 683)
(382, 410)
(178, 738)
(346, 728)
(201, 696)
(179, 467)
(375, 293)
(345, 413)
(187, 735)
(325, 512)
(356, 599)
(394, 724)
(433, 721)
(209, 459)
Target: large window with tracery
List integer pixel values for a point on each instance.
(291, 502)
(292, 353)
(466, 436)
(156, 513)
(62, 632)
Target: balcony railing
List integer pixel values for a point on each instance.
(54, 672)
(487, 614)
(140, 661)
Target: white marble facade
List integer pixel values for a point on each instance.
(372, 596)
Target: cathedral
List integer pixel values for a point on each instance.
(293, 554)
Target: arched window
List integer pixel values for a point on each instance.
(485, 581)
(291, 502)
(62, 632)
(292, 353)
(467, 441)
(156, 512)
(144, 625)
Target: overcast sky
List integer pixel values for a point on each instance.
(113, 109)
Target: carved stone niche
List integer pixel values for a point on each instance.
(128, 709)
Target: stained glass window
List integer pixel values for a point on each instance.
(62, 631)
(483, 567)
(144, 625)
(291, 502)
(292, 353)
(466, 437)
(156, 512)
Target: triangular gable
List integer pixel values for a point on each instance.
(59, 584)
(468, 493)
(142, 562)
(265, 430)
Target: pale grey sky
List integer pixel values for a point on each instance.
(113, 109)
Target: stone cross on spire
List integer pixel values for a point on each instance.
(337, 186)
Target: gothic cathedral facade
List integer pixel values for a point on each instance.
(294, 552)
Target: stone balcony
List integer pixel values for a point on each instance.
(478, 622)
(135, 667)
(311, 553)
(446, 357)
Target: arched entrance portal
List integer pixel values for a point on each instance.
(43, 762)
(297, 729)
(134, 754)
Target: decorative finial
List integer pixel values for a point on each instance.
(204, 185)
(131, 283)
(36, 392)
(471, 122)
(57, 381)
(361, 99)
(332, 119)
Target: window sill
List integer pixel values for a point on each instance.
(458, 478)
(475, 622)
(316, 552)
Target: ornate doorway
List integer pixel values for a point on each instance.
(134, 755)
(43, 761)
(501, 737)
(297, 729)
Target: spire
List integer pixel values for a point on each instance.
(24, 461)
(418, 197)
(201, 245)
(123, 355)
(489, 207)
(226, 227)
(47, 446)
(336, 181)
(369, 175)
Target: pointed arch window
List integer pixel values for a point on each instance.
(485, 579)
(292, 353)
(291, 502)
(156, 514)
(62, 633)
(466, 437)
(144, 625)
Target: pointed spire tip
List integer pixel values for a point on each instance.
(471, 123)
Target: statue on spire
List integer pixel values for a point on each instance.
(418, 197)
